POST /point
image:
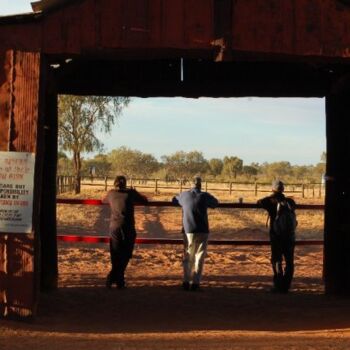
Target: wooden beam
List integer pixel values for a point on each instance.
(337, 210)
(48, 240)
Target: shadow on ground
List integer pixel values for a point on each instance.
(167, 308)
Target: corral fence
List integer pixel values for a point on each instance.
(73, 238)
(64, 184)
(157, 186)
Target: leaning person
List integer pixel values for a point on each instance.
(281, 211)
(121, 228)
(195, 229)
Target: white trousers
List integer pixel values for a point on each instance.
(195, 248)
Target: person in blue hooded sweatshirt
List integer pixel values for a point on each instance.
(195, 230)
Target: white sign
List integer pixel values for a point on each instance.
(16, 191)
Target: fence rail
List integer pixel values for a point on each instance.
(142, 240)
(311, 190)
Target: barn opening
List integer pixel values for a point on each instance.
(226, 223)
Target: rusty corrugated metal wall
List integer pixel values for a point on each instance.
(139, 29)
(289, 27)
(19, 98)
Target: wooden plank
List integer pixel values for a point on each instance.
(48, 241)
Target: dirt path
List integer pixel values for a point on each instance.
(234, 310)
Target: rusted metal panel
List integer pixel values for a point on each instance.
(172, 23)
(88, 25)
(199, 26)
(19, 98)
(6, 65)
(110, 23)
(272, 27)
(52, 38)
(136, 23)
(71, 29)
(302, 27)
(336, 30)
(14, 36)
(26, 99)
(265, 25)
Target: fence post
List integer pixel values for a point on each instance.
(303, 190)
(320, 191)
(180, 185)
(206, 186)
(313, 191)
(106, 179)
(156, 189)
(256, 189)
(230, 188)
(61, 184)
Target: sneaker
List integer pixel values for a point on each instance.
(195, 287)
(186, 285)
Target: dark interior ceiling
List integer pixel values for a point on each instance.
(153, 78)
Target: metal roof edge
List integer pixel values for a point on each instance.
(19, 18)
(48, 5)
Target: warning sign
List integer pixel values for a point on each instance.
(16, 191)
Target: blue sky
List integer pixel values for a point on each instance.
(253, 129)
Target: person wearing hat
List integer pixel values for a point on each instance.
(282, 243)
(195, 230)
(121, 228)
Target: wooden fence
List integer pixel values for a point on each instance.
(157, 186)
(64, 184)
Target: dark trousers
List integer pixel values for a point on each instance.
(282, 249)
(121, 246)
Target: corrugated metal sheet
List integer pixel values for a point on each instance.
(6, 66)
(19, 95)
(290, 27)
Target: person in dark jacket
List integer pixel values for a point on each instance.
(195, 229)
(282, 246)
(121, 228)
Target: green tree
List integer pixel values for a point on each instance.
(232, 166)
(100, 163)
(184, 165)
(64, 164)
(215, 166)
(249, 170)
(277, 170)
(79, 120)
(132, 163)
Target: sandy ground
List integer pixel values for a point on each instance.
(234, 309)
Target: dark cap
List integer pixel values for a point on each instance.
(120, 181)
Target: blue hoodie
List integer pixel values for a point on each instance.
(194, 205)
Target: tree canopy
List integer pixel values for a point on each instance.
(79, 120)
